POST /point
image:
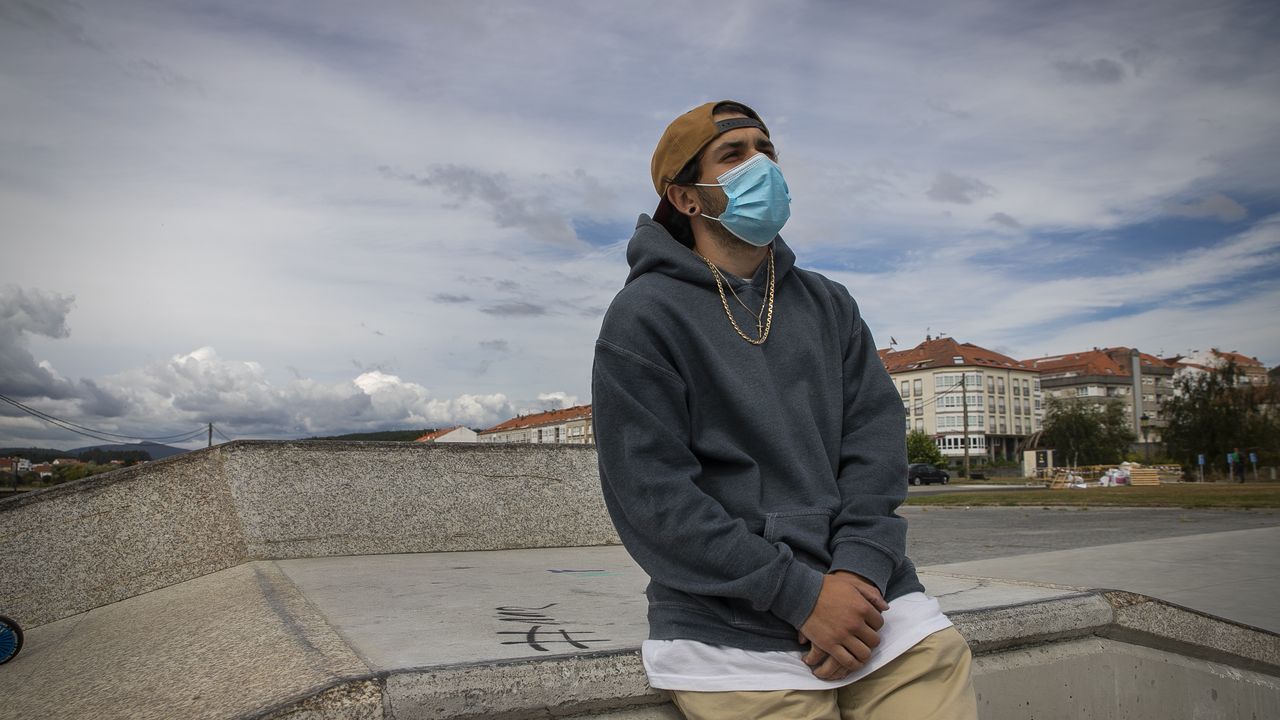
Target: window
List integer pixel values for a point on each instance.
(1036, 382)
(1000, 385)
(919, 406)
(918, 387)
(1017, 389)
(1002, 430)
(991, 404)
(1026, 387)
(1017, 427)
(1082, 391)
(920, 424)
(991, 384)
(1001, 406)
(908, 424)
(906, 391)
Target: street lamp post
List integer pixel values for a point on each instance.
(964, 408)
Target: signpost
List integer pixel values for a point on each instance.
(1253, 458)
(1201, 458)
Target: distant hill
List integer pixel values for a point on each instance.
(394, 435)
(35, 454)
(155, 450)
(41, 455)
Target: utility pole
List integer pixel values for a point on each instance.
(964, 406)
(1135, 368)
(210, 434)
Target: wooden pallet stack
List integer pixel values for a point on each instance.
(1144, 476)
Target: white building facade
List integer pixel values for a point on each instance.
(953, 391)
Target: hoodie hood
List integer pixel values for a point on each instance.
(653, 249)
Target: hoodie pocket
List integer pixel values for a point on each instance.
(806, 531)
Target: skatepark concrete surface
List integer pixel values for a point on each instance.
(304, 627)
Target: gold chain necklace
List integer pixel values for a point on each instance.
(724, 301)
(759, 314)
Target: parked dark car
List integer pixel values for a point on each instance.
(926, 473)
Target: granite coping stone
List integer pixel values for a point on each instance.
(320, 638)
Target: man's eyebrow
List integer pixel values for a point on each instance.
(761, 144)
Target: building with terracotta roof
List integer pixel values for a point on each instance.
(1249, 370)
(569, 425)
(1001, 396)
(8, 464)
(456, 433)
(1101, 375)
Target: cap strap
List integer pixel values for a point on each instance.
(724, 126)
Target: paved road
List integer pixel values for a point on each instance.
(938, 535)
(953, 488)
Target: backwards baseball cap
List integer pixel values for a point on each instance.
(685, 137)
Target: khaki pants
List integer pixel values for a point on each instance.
(928, 682)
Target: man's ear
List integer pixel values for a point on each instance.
(682, 198)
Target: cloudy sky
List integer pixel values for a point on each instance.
(302, 218)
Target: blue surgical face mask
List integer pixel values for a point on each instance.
(759, 202)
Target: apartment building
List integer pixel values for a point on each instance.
(570, 426)
(1101, 375)
(940, 379)
(1250, 370)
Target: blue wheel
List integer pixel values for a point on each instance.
(10, 639)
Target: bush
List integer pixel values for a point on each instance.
(922, 449)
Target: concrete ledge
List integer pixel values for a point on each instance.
(554, 687)
(317, 499)
(70, 548)
(1146, 621)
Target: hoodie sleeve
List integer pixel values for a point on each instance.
(868, 536)
(682, 537)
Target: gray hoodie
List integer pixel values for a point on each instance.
(737, 475)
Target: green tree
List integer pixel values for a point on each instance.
(1211, 414)
(1085, 433)
(922, 449)
(1117, 433)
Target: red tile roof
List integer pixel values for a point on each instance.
(551, 417)
(943, 352)
(1241, 360)
(1098, 361)
(437, 433)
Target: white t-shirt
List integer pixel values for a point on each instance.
(693, 665)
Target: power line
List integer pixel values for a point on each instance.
(103, 435)
(221, 434)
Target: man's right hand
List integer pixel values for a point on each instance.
(844, 625)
